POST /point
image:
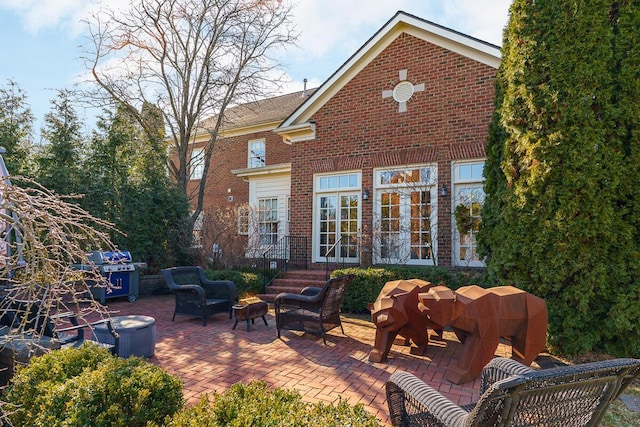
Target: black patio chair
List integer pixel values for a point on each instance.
(198, 296)
(515, 395)
(315, 310)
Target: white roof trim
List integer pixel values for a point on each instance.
(402, 22)
(267, 170)
(298, 132)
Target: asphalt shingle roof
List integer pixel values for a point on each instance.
(263, 111)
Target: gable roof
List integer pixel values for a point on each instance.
(295, 127)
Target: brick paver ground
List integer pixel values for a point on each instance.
(214, 357)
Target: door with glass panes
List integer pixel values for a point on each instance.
(338, 219)
(405, 216)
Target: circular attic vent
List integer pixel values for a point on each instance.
(403, 91)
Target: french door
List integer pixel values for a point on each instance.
(404, 227)
(338, 219)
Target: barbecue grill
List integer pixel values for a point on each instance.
(121, 272)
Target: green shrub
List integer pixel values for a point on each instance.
(246, 282)
(256, 405)
(89, 386)
(369, 282)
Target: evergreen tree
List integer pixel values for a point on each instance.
(16, 127)
(625, 68)
(557, 218)
(127, 184)
(58, 162)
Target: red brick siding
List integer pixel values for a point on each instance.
(230, 154)
(358, 129)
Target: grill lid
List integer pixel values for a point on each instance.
(110, 257)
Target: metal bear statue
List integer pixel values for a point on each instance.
(395, 312)
(479, 317)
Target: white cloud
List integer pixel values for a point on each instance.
(481, 19)
(37, 15)
(332, 30)
(327, 25)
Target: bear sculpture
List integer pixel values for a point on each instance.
(479, 317)
(395, 312)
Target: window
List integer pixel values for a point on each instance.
(196, 164)
(268, 221)
(339, 182)
(243, 220)
(257, 154)
(467, 209)
(405, 217)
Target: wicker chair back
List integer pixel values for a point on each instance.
(316, 310)
(516, 395)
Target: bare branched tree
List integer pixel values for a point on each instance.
(192, 58)
(43, 239)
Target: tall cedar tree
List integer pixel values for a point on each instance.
(561, 213)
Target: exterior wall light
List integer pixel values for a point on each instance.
(365, 195)
(443, 190)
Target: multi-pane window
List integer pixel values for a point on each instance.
(196, 164)
(268, 221)
(349, 226)
(339, 182)
(243, 220)
(405, 219)
(257, 154)
(420, 225)
(390, 225)
(467, 209)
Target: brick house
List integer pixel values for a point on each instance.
(385, 158)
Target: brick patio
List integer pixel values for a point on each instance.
(214, 357)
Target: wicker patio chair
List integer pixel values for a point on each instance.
(198, 296)
(315, 310)
(515, 395)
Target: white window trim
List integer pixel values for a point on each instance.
(277, 222)
(244, 213)
(250, 157)
(196, 164)
(377, 200)
(315, 239)
(457, 182)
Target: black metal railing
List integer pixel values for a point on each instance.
(289, 252)
(338, 261)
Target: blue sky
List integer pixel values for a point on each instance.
(41, 39)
